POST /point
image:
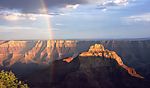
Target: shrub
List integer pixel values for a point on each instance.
(8, 80)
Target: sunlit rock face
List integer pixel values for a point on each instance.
(68, 59)
(41, 53)
(135, 54)
(88, 70)
(37, 53)
(12, 46)
(99, 51)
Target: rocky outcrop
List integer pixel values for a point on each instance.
(12, 47)
(68, 59)
(58, 49)
(38, 53)
(35, 51)
(42, 52)
(97, 68)
(98, 50)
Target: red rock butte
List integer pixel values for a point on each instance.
(98, 50)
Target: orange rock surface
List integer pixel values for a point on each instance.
(35, 51)
(98, 50)
(68, 59)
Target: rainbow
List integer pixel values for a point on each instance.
(47, 18)
(50, 32)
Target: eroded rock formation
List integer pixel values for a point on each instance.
(98, 50)
(97, 68)
(41, 53)
(34, 51)
(37, 53)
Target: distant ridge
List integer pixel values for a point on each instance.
(88, 39)
(110, 39)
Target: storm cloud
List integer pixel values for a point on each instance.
(35, 5)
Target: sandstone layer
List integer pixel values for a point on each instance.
(41, 53)
(37, 54)
(97, 68)
(99, 51)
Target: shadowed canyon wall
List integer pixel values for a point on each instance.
(97, 68)
(25, 56)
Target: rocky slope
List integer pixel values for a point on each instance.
(25, 56)
(34, 51)
(97, 68)
(98, 51)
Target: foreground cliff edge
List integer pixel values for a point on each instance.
(97, 68)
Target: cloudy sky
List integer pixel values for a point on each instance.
(74, 19)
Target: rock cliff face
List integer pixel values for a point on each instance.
(99, 51)
(36, 53)
(39, 54)
(97, 68)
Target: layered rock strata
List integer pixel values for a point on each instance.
(37, 54)
(41, 53)
(34, 51)
(99, 51)
(97, 68)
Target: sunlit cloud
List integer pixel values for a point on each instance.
(6, 27)
(12, 16)
(143, 17)
(111, 3)
(10, 32)
(104, 9)
(59, 24)
(115, 2)
(72, 6)
(18, 28)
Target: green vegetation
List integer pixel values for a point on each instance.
(8, 80)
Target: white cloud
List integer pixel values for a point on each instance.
(54, 29)
(18, 28)
(72, 6)
(109, 3)
(7, 27)
(59, 24)
(116, 2)
(68, 8)
(104, 9)
(12, 16)
(143, 17)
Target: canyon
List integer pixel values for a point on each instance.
(96, 68)
(23, 57)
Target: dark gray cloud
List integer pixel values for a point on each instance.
(34, 5)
